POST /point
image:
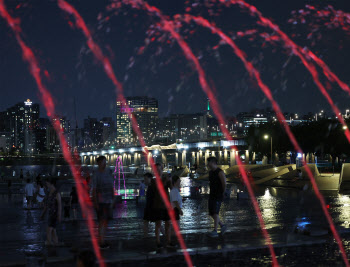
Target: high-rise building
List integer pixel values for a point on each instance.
(255, 117)
(23, 120)
(52, 140)
(167, 130)
(93, 129)
(145, 109)
(183, 127)
(107, 131)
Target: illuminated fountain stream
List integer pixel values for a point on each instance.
(119, 171)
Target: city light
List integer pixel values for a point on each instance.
(28, 102)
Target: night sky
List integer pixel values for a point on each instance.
(162, 71)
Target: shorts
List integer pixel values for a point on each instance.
(147, 214)
(29, 198)
(214, 206)
(66, 211)
(52, 221)
(177, 214)
(103, 212)
(159, 215)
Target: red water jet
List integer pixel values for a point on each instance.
(48, 102)
(168, 26)
(79, 22)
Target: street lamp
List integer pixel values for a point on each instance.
(266, 136)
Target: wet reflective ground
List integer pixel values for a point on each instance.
(294, 218)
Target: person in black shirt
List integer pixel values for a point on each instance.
(74, 202)
(217, 180)
(149, 201)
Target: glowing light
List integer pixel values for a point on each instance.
(28, 102)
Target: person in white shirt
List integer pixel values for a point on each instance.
(29, 190)
(175, 198)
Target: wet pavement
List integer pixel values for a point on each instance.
(294, 219)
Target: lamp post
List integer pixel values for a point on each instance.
(267, 137)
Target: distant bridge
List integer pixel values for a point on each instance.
(174, 154)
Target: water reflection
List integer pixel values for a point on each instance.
(281, 209)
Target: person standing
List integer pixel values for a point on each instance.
(74, 202)
(217, 180)
(176, 199)
(54, 206)
(40, 195)
(159, 211)
(147, 215)
(142, 188)
(29, 191)
(103, 198)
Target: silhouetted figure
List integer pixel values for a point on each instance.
(29, 191)
(74, 202)
(103, 198)
(217, 181)
(54, 206)
(40, 194)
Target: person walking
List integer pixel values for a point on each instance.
(29, 191)
(103, 198)
(54, 206)
(217, 180)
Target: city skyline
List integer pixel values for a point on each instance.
(203, 110)
(22, 129)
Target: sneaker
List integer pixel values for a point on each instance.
(104, 246)
(213, 234)
(223, 229)
(171, 245)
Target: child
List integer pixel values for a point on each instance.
(176, 199)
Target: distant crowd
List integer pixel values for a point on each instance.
(102, 192)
